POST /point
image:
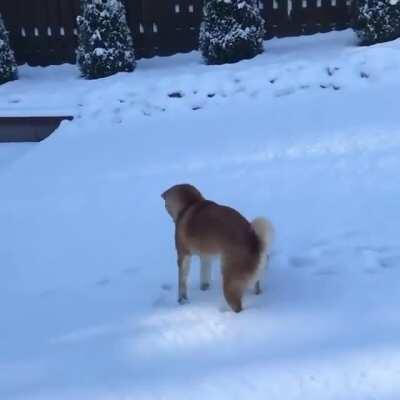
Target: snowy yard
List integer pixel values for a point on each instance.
(307, 134)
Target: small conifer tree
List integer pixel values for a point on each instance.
(377, 21)
(231, 30)
(105, 41)
(8, 65)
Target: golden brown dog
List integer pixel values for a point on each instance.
(207, 229)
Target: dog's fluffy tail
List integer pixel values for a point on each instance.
(264, 231)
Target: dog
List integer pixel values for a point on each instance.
(207, 229)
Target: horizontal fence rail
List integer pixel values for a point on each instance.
(44, 32)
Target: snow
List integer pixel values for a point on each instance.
(88, 288)
(10, 152)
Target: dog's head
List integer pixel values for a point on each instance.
(179, 197)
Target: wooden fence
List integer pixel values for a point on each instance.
(43, 32)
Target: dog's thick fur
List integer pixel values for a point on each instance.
(207, 229)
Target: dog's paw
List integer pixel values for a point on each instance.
(183, 300)
(204, 286)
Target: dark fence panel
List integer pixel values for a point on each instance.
(276, 16)
(43, 32)
(28, 129)
(312, 16)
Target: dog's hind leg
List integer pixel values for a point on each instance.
(257, 287)
(238, 270)
(205, 272)
(233, 292)
(262, 265)
(183, 268)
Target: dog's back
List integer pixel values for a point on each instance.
(209, 228)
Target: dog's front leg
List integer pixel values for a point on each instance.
(205, 272)
(183, 268)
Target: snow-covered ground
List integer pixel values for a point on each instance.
(307, 134)
(323, 62)
(10, 152)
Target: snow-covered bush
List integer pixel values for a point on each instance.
(8, 66)
(105, 41)
(231, 30)
(377, 21)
